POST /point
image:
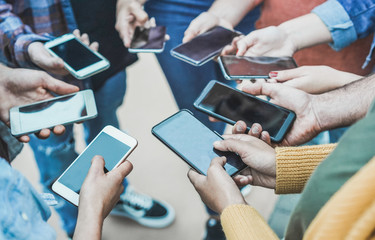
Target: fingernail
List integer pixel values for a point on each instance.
(239, 128)
(255, 130)
(243, 180)
(273, 74)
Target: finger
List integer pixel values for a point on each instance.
(240, 137)
(256, 130)
(123, 169)
(218, 161)
(97, 166)
(77, 33)
(266, 137)
(244, 44)
(94, 46)
(262, 88)
(57, 86)
(167, 38)
(232, 145)
(286, 75)
(59, 130)
(212, 119)
(85, 39)
(195, 178)
(239, 128)
(139, 14)
(24, 139)
(241, 180)
(43, 134)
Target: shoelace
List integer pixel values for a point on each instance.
(137, 200)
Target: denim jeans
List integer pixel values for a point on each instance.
(56, 153)
(187, 81)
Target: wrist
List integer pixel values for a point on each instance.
(319, 125)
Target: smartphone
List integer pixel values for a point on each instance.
(234, 67)
(79, 59)
(112, 144)
(67, 109)
(205, 46)
(230, 105)
(148, 40)
(193, 142)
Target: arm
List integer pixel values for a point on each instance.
(99, 194)
(222, 13)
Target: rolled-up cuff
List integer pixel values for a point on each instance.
(21, 49)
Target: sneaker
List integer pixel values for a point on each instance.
(143, 209)
(214, 231)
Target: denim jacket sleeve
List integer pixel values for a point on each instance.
(347, 21)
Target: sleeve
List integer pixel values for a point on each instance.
(15, 38)
(244, 222)
(294, 166)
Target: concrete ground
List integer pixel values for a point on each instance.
(157, 171)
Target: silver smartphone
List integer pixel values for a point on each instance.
(79, 59)
(148, 40)
(235, 67)
(67, 109)
(112, 144)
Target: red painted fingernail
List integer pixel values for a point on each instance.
(237, 52)
(273, 74)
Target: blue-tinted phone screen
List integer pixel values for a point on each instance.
(193, 141)
(50, 113)
(104, 145)
(75, 54)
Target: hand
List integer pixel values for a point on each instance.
(23, 86)
(204, 22)
(270, 41)
(55, 65)
(306, 126)
(130, 14)
(101, 191)
(258, 155)
(217, 190)
(255, 131)
(314, 79)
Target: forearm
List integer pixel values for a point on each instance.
(232, 11)
(244, 222)
(344, 106)
(294, 166)
(306, 31)
(89, 225)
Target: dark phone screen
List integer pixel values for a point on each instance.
(193, 141)
(53, 112)
(149, 38)
(111, 149)
(75, 54)
(207, 44)
(255, 66)
(234, 105)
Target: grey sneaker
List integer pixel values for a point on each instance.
(144, 210)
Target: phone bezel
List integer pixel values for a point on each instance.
(143, 50)
(154, 132)
(83, 73)
(88, 96)
(203, 61)
(119, 135)
(236, 77)
(280, 134)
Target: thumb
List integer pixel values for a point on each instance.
(231, 145)
(97, 166)
(244, 44)
(139, 14)
(218, 161)
(57, 86)
(123, 169)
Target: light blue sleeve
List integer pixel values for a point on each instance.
(335, 17)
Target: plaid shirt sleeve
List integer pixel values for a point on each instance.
(15, 37)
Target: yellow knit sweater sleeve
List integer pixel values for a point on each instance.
(244, 222)
(294, 166)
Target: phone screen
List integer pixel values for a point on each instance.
(207, 44)
(193, 141)
(50, 113)
(111, 149)
(255, 66)
(148, 38)
(235, 106)
(75, 54)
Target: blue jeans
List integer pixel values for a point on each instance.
(56, 153)
(187, 81)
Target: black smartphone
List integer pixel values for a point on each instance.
(193, 142)
(231, 105)
(148, 40)
(205, 46)
(234, 67)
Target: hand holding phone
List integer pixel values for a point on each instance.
(193, 142)
(205, 46)
(150, 39)
(240, 67)
(79, 59)
(112, 144)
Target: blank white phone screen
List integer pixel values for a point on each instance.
(51, 113)
(111, 149)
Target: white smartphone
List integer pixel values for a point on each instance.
(66, 109)
(148, 40)
(112, 144)
(79, 59)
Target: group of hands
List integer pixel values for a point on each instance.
(293, 89)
